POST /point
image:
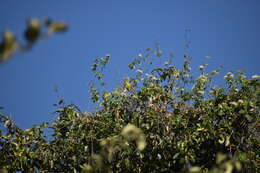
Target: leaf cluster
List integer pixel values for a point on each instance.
(35, 30)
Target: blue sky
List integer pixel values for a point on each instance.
(226, 30)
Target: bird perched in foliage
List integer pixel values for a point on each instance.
(55, 26)
(8, 45)
(33, 31)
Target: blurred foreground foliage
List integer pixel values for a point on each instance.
(161, 119)
(35, 30)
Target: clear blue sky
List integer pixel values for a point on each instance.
(227, 30)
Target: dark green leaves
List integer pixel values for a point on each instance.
(161, 119)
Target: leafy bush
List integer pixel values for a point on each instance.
(161, 119)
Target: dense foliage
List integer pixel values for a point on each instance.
(161, 119)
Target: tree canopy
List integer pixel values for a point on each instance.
(160, 119)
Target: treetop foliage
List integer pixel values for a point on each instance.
(161, 119)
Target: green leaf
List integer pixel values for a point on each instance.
(248, 117)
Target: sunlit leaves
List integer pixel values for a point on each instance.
(127, 85)
(160, 119)
(106, 95)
